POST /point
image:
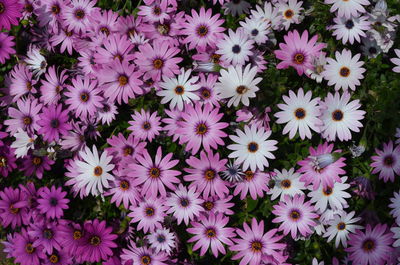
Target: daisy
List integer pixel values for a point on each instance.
(207, 91)
(396, 236)
(47, 234)
(93, 171)
(53, 122)
(291, 11)
(236, 48)
(253, 245)
(155, 12)
(23, 143)
(318, 63)
(396, 61)
(334, 196)
(179, 90)
(350, 29)
(24, 252)
(233, 173)
(300, 113)
(314, 174)
(52, 202)
(255, 183)
(76, 15)
(22, 82)
(286, 182)
(340, 227)
(387, 162)
(395, 206)
(145, 126)
(36, 165)
(370, 247)
(24, 117)
(10, 12)
(298, 51)
(238, 84)
(142, 255)
(344, 72)
(252, 147)
(7, 45)
(52, 87)
(35, 61)
(295, 215)
(204, 174)
(184, 204)
(269, 14)
(154, 176)
(7, 160)
(340, 117)
(162, 240)
(256, 29)
(216, 204)
(202, 29)
(172, 122)
(123, 149)
(348, 8)
(123, 191)
(149, 214)
(210, 231)
(14, 207)
(83, 97)
(201, 127)
(370, 47)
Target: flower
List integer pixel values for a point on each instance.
(300, 113)
(252, 147)
(142, 255)
(210, 231)
(23, 143)
(269, 14)
(53, 122)
(52, 202)
(14, 207)
(341, 226)
(7, 160)
(123, 149)
(162, 240)
(184, 204)
(7, 45)
(298, 51)
(93, 172)
(22, 82)
(295, 215)
(370, 247)
(254, 183)
(216, 204)
(253, 245)
(124, 191)
(286, 182)
(35, 61)
(238, 84)
(256, 29)
(233, 173)
(291, 12)
(24, 252)
(154, 176)
(237, 7)
(204, 174)
(396, 61)
(340, 117)
(46, 234)
(179, 90)
(395, 206)
(10, 12)
(350, 29)
(149, 214)
(145, 126)
(348, 9)
(396, 235)
(344, 72)
(76, 15)
(201, 126)
(236, 48)
(25, 117)
(386, 162)
(52, 87)
(202, 29)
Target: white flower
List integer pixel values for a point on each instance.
(270, 14)
(235, 48)
(36, 61)
(347, 8)
(23, 143)
(162, 240)
(350, 29)
(252, 147)
(93, 171)
(319, 63)
(286, 183)
(395, 206)
(256, 29)
(396, 235)
(341, 226)
(238, 84)
(179, 90)
(291, 12)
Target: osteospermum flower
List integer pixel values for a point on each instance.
(7, 45)
(345, 72)
(253, 244)
(10, 12)
(24, 251)
(300, 113)
(123, 191)
(387, 162)
(154, 176)
(145, 125)
(7, 160)
(257, 29)
(236, 48)
(22, 82)
(46, 234)
(348, 8)
(52, 202)
(298, 51)
(149, 214)
(216, 204)
(125, 149)
(291, 12)
(350, 29)
(253, 183)
(162, 240)
(295, 215)
(396, 61)
(201, 126)
(269, 14)
(142, 255)
(93, 172)
(52, 87)
(238, 84)
(76, 15)
(314, 173)
(24, 117)
(370, 247)
(35, 61)
(252, 147)
(210, 231)
(340, 117)
(54, 122)
(395, 206)
(286, 182)
(23, 143)
(14, 207)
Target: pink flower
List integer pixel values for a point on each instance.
(387, 162)
(149, 214)
(54, 122)
(145, 126)
(211, 232)
(254, 183)
(123, 149)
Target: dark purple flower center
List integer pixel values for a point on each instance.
(236, 49)
(201, 128)
(256, 246)
(2, 8)
(54, 258)
(29, 248)
(146, 125)
(97, 171)
(210, 232)
(53, 202)
(288, 13)
(124, 185)
(54, 123)
(27, 120)
(388, 160)
(349, 24)
(368, 245)
(55, 9)
(105, 30)
(184, 202)
(372, 50)
(294, 214)
(94, 240)
(160, 238)
(80, 14)
(202, 30)
(127, 151)
(84, 96)
(209, 174)
(252, 147)
(205, 93)
(149, 211)
(208, 205)
(154, 172)
(254, 32)
(341, 226)
(37, 161)
(179, 90)
(145, 260)
(48, 234)
(156, 10)
(300, 113)
(327, 191)
(337, 115)
(106, 108)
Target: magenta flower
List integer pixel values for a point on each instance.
(53, 122)
(142, 255)
(327, 175)
(254, 244)
(157, 60)
(372, 246)
(201, 126)
(46, 234)
(149, 214)
(295, 215)
(24, 252)
(123, 149)
(36, 165)
(116, 48)
(14, 207)
(22, 82)
(216, 204)
(154, 175)
(10, 12)
(387, 162)
(124, 191)
(6, 48)
(145, 126)
(76, 14)
(7, 160)
(255, 183)
(53, 86)
(52, 202)
(204, 174)
(71, 234)
(298, 52)
(202, 29)
(210, 231)
(25, 116)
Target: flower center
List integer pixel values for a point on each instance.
(54, 258)
(254, 32)
(215, 58)
(2, 8)
(201, 128)
(127, 151)
(294, 215)
(55, 9)
(123, 80)
(388, 160)
(202, 30)
(210, 174)
(48, 234)
(368, 245)
(53, 202)
(236, 49)
(184, 202)
(154, 172)
(158, 63)
(160, 238)
(119, 57)
(146, 125)
(344, 71)
(256, 246)
(54, 123)
(252, 147)
(372, 50)
(145, 260)
(95, 240)
(79, 14)
(97, 171)
(179, 90)
(300, 113)
(29, 86)
(208, 205)
(241, 89)
(105, 30)
(248, 175)
(337, 115)
(29, 248)
(13, 210)
(77, 234)
(124, 185)
(349, 24)
(286, 184)
(156, 10)
(84, 97)
(3, 161)
(149, 211)
(210, 233)
(288, 14)
(205, 93)
(27, 120)
(163, 29)
(299, 58)
(327, 191)
(43, 65)
(341, 226)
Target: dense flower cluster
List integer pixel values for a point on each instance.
(146, 137)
